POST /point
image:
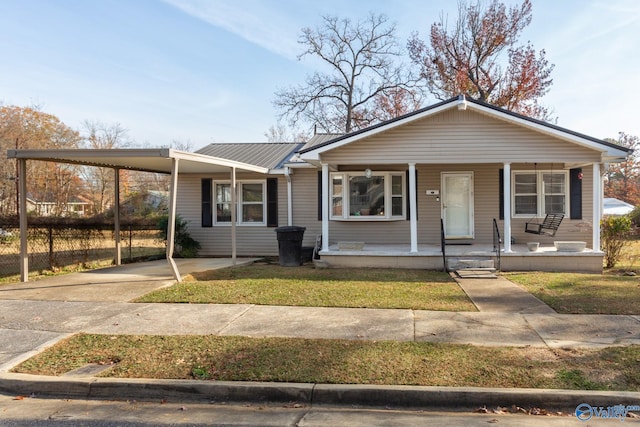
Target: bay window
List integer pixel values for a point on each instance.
(358, 197)
(539, 193)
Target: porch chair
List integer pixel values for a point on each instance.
(548, 227)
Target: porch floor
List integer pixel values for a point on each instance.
(546, 258)
(452, 250)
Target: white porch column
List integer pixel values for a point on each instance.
(597, 206)
(413, 211)
(507, 206)
(22, 206)
(234, 215)
(325, 206)
(171, 225)
(116, 215)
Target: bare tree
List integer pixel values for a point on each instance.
(480, 57)
(100, 181)
(362, 59)
(281, 133)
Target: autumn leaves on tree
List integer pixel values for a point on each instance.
(365, 78)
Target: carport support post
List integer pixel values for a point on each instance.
(171, 225)
(116, 215)
(22, 203)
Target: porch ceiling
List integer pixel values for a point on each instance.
(151, 160)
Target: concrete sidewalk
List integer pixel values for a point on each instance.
(37, 314)
(499, 295)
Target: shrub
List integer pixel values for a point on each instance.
(185, 245)
(614, 231)
(634, 215)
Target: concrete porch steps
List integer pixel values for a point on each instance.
(472, 268)
(476, 273)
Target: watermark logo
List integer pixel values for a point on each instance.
(584, 411)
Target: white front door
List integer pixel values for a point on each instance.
(457, 204)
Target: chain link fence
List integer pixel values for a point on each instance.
(55, 243)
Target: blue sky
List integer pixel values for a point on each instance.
(206, 70)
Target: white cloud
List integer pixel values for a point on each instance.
(259, 23)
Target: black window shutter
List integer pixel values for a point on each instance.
(320, 196)
(272, 202)
(501, 193)
(207, 205)
(407, 190)
(575, 191)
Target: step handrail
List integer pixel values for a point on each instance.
(497, 242)
(443, 245)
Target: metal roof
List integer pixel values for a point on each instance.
(270, 155)
(150, 160)
(320, 138)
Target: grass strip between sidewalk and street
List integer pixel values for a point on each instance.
(268, 284)
(234, 358)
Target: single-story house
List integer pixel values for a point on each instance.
(75, 206)
(460, 178)
(616, 207)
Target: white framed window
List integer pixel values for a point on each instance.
(379, 197)
(538, 193)
(251, 197)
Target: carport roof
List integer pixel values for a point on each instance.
(148, 159)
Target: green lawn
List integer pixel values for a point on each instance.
(268, 284)
(574, 293)
(339, 361)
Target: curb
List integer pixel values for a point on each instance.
(373, 396)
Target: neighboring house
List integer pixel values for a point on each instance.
(75, 206)
(472, 167)
(145, 203)
(612, 206)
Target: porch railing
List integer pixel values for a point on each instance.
(497, 242)
(443, 246)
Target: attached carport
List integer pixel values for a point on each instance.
(162, 160)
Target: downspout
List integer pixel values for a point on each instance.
(287, 175)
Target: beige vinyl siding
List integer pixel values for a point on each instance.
(304, 184)
(486, 208)
(216, 240)
(570, 229)
(462, 137)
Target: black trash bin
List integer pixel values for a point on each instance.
(290, 245)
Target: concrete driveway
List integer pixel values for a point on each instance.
(113, 284)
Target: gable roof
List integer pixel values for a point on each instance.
(269, 155)
(462, 102)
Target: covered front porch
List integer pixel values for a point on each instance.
(546, 258)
